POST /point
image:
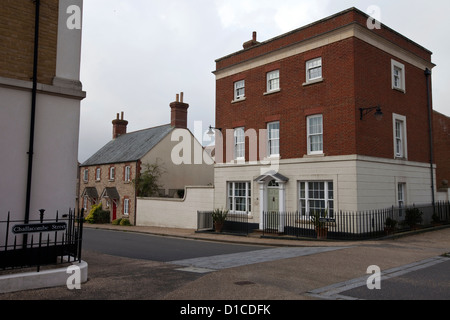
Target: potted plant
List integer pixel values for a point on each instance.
(390, 225)
(436, 220)
(320, 224)
(219, 217)
(413, 218)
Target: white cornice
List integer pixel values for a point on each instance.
(58, 89)
(342, 33)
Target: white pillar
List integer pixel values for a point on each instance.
(282, 205)
(69, 44)
(262, 204)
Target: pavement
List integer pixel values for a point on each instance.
(286, 269)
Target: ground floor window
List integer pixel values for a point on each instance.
(316, 196)
(239, 197)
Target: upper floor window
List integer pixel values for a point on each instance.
(98, 173)
(315, 134)
(400, 140)
(273, 81)
(314, 69)
(112, 173)
(86, 175)
(273, 130)
(239, 143)
(239, 90)
(127, 177)
(398, 76)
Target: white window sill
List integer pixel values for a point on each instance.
(314, 155)
(271, 92)
(399, 89)
(314, 81)
(238, 100)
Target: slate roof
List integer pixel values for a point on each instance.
(129, 147)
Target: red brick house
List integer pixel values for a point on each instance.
(441, 125)
(300, 117)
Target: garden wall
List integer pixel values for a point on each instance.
(175, 213)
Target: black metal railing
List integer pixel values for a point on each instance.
(235, 223)
(41, 242)
(344, 225)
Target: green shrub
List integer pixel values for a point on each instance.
(413, 217)
(98, 215)
(125, 222)
(116, 222)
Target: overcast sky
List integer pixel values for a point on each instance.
(138, 54)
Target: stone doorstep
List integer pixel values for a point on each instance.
(49, 278)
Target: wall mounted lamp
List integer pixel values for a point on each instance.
(366, 111)
(211, 132)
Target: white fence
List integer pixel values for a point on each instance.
(175, 213)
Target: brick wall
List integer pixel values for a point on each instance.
(334, 98)
(441, 124)
(17, 39)
(356, 75)
(373, 86)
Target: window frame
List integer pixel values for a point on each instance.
(395, 65)
(126, 207)
(401, 195)
(403, 139)
(86, 175)
(310, 66)
(310, 135)
(270, 81)
(232, 196)
(269, 139)
(328, 189)
(127, 174)
(112, 173)
(239, 145)
(237, 89)
(98, 174)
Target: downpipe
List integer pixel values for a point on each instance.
(33, 114)
(430, 122)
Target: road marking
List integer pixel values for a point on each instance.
(233, 260)
(334, 291)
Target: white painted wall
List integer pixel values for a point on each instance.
(55, 151)
(56, 132)
(175, 213)
(360, 183)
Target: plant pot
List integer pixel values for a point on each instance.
(322, 233)
(389, 230)
(218, 226)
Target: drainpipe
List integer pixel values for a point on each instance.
(430, 120)
(33, 112)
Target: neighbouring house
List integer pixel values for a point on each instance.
(40, 97)
(441, 125)
(331, 116)
(108, 176)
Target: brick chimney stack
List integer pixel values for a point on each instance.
(179, 112)
(252, 42)
(119, 126)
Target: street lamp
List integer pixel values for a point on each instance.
(211, 132)
(366, 111)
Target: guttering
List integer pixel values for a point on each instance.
(33, 112)
(430, 123)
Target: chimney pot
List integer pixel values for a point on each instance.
(179, 112)
(119, 126)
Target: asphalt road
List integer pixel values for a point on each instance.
(155, 248)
